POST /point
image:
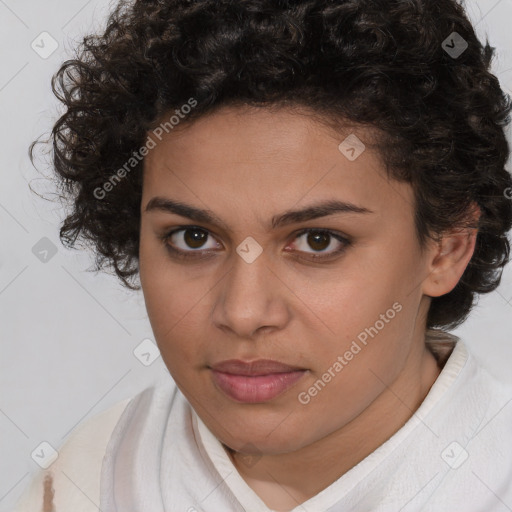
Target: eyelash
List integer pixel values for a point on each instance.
(199, 254)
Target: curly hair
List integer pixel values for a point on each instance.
(440, 117)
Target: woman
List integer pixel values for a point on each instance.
(311, 193)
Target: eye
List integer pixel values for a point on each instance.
(320, 240)
(191, 242)
(180, 241)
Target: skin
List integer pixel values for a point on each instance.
(246, 166)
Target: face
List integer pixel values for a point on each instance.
(334, 294)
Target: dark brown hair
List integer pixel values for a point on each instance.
(386, 65)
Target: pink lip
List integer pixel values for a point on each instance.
(256, 381)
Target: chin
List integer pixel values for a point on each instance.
(257, 441)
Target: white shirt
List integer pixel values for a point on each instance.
(152, 453)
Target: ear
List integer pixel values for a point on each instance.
(451, 256)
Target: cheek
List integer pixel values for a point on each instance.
(166, 290)
(354, 303)
(173, 307)
(174, 318)
(171, 299)
(367, 322)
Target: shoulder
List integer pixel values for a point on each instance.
(72, 482)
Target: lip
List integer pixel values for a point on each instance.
(255, 381)
(254, 368)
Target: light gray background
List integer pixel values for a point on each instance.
(68, 335)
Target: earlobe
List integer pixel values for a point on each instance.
(451, 257)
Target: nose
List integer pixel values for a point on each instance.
(251, 299)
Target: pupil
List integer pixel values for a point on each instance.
(196, 240)
(316, 239)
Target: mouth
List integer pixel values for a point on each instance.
(255, 382)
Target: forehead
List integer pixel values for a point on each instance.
(258, 132)
(256, 157)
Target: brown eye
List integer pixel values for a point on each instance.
(189, 240)
(192, 242)
(320, 240)
(194, 238)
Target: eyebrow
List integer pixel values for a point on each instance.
(315, 211)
